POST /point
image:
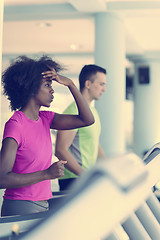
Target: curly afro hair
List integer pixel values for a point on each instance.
(22, 79)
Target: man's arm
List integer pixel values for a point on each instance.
(63, 141)
(101, 153)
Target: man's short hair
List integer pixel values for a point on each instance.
(87, 72)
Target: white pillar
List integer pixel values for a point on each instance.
(1, 32)
(110, 54)
(146, 129)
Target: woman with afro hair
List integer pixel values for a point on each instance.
(25, 165)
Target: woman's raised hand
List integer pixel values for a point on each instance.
(54, 76)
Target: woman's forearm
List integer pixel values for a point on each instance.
(18, 180)
(15, 180)
(84, 112)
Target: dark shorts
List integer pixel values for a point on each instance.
(22, 207)
(65, 184)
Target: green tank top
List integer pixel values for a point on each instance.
(84, 147)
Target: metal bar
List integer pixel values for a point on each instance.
(148, 220)
(134, 228)
(154, 205)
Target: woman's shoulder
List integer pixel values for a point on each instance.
(15, 121)
(17, 116)
(46, 114)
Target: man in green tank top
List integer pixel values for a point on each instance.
(81, 147)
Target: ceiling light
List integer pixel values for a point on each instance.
(73, 47)
(44, 24)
